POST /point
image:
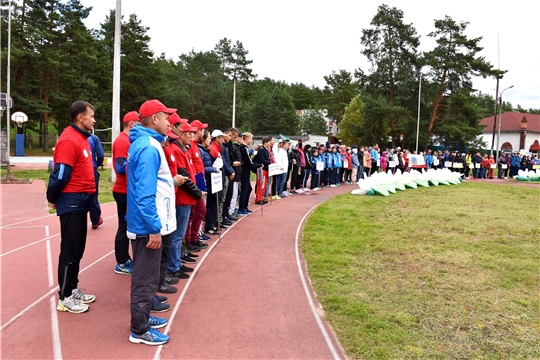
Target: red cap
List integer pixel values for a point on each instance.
(188, 128)
(171, 135)
(174, 119)
(199, 125)
(152, 107)
(131, 116)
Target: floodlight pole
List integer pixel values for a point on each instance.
(500, 119)
(8, 91)
(116, 79)
(418, 121)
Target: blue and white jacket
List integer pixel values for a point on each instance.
(150, 186)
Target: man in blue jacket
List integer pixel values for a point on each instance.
(151, 216)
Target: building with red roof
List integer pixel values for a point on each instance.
(519, 131)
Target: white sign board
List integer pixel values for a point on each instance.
(320, 166)
(217, 182)
(274, 169)
(417, 160)
(392, 164)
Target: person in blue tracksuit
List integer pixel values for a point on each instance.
(151, 216)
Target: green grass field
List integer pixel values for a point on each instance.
(442, 272)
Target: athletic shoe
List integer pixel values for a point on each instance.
(186, 269)
(226, 222)
(192, 247)
(305, 189)
(82, 297)
(223, 226)
(241, 212)
(232, 217)
(191, 255)
(201, 244)
(94, 227)
(72, 305)
(156, 323)
(213, 231)
(180, 274)
(167, 289)
(262, 202)
(151, 337)
(247, 211)
(161, 298)
(171, 279)
(203, 237)
(188, 260)
(158, 306)
(125, 268)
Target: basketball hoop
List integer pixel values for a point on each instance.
(19, 117)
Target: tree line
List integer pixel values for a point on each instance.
(56, 59)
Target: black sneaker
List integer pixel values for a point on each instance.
(186, 269)
(200, 244)
(161, 298)
(213, 231)
(192, 247)
(167, 289)
(188, 260)
(226, 222)
(223, 226)
(170, 279)
(180, 274)
(157, 306)
(192, 255)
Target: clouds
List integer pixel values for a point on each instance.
(302, 41)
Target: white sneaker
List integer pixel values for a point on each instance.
(306, 189)
(72, 305)
(82, 297)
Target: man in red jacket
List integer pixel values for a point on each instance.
(70, 191)
(187, 195)
(120, 153)
(198, 211)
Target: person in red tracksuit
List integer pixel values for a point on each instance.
(198, 211)
(120, 153)
(70, 191)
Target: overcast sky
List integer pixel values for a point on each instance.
(302, 41)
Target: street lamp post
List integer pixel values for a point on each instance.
(500, 119)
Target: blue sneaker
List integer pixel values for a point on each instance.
(247, 211)
(241, 212)
(158, 306)
(125, 269)
(203, 237)
(151, 337)
(156, 323)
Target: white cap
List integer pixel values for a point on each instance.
(217, 133)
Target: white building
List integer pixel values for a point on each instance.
(519, 131)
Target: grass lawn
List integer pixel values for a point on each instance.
(439, 272)
(105, 184)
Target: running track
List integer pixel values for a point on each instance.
(248, 297)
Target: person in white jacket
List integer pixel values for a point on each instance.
(282, 159)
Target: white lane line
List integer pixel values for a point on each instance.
(57, 347)
(49, 263)
(25, 221)
(318, 319)
(49, 293)
(157, 355)
(46, 230)
(27, 245)
(46, 238)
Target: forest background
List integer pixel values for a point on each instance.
(56, 59)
